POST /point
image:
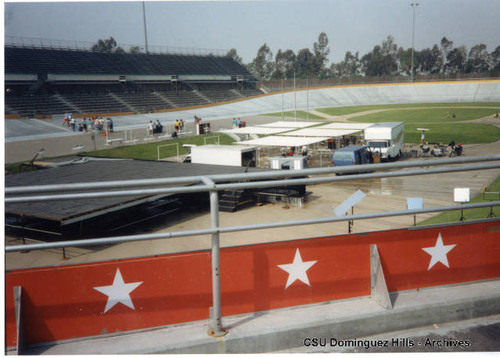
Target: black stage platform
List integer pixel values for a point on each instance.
(88, 170)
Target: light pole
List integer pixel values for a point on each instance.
(282, 98)
(294, 96)
(414, 6)
(145, 26)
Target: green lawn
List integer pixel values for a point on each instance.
(149, 151)
(465, 133)
(442, 127)
(471, 214)
(338, 111)
(435, 115)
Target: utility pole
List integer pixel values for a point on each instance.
(412, 74)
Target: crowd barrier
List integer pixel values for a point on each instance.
(96, 299)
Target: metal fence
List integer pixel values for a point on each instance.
(289, 84)
(215, 183)
(57, 44)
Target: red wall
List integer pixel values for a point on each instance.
(63, 302)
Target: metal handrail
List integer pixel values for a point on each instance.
(271, 174)
(228, 229)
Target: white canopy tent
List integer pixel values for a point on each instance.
(255, 130)
(283, 141)
(341, 125)
(321, 132)
(285, 124)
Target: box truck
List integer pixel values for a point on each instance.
(386, 138)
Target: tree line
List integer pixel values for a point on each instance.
(386, 59)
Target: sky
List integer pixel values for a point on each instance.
(351, 25)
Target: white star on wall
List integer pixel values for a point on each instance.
(118, 292)
(438, 253)
(297, 270)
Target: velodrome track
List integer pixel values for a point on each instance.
(339, 96)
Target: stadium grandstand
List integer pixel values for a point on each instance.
(42, 81)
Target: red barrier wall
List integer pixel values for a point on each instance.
(92, 299)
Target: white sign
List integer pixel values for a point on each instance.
(355, 198)
(415, 203)
(462, 195)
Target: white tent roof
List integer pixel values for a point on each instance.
(321, 131)
(255, 130)
(289, 124)
(282, 141)
(342, 125)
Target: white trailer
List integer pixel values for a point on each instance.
(231, 155)
(386, 138)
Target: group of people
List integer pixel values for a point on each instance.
(179, 125)
(238, 123)
(155, 127)
(290, 151)
(91, 124)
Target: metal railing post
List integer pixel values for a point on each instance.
(215, 325)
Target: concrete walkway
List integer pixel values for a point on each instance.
(288, 329)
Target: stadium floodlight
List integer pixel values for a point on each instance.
(145, 26)
(414, 6)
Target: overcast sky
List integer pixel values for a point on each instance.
(351, 25)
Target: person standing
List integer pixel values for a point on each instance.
(72, 122)
(66, 119)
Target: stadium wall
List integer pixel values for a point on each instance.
(341, 96)
(97, 299)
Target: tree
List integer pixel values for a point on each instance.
(232, 53)
(389, 53)
(134, 49)
(478, 60)
(284, 64)
(106, 46)
(495, 60)
(304, 63)
(350, 66)
(437, 61)
(382, 60)
(321, 52)
(446, 48)
(404, 61)
(262, 65)
(430, 61)
(456, 60)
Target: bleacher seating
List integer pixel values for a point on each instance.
(111, 82)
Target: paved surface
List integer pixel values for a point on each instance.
(353, 321)
(471, 335)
